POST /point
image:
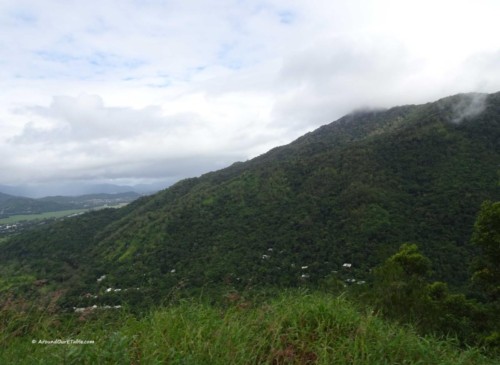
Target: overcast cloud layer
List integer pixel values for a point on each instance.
(136, 91)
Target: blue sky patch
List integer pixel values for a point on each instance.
(286, 17)
(23, 16)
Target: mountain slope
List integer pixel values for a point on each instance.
(350, 192)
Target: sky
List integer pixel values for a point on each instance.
(153, 91)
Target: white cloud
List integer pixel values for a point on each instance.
(152, 89)
(334, 76)
(86, 118)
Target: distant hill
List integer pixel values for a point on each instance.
(350, 192)
(92, 200)
(15, 205)
(12, 205)
(77, 189)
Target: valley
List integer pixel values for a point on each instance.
(17, 212)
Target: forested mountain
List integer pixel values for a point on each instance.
(10, 205)
(350, 192)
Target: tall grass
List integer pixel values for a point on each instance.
(294, 328)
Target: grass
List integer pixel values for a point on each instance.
(294, 328)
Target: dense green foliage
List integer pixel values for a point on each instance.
(486, 278)
(487, 237)
(293, 328)
(51, 265)
(402, 292)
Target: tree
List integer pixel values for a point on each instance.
(486, 236)
(401, 283)
(486, 277)
(402, 291)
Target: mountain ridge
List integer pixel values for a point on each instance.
(42, 190)
(349, 140)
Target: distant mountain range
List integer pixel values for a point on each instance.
(77, 189)
(15, 205)
(333, 204)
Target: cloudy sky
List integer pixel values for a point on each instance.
(139, 91)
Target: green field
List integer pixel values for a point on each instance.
(40, 216)
(58, 214)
